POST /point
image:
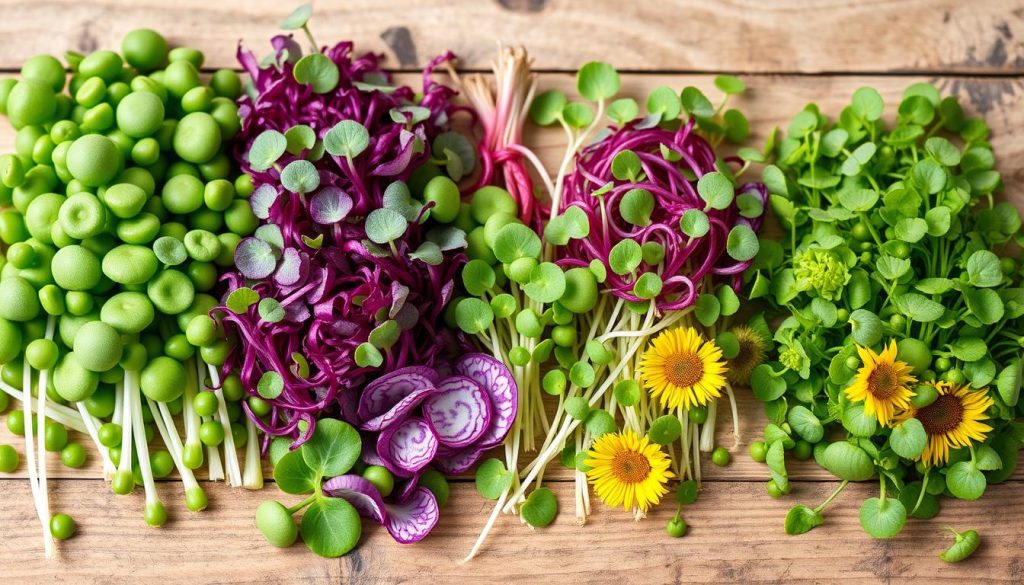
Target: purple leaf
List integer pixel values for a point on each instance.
(454, 462)
(412, 520)
(330, 205)
(262, 199)
(255, 258)
(359, 492)
(497, 381)
(399, 411)
(382, 394)
(407, 447)
(459, 413)
(294, 267)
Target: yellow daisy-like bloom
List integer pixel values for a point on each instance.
(882, 383)
(680, 368)
(954, 420)
(628, 470)
(750, 355)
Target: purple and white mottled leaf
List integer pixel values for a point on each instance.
(382, 394)
(454, 462)
(359, 492)
(330, 205)
(407, 447)
(294, 267)
(255, 258)
(459, 413)
(412, 520)
(497, 381)
(262, 199)
(399, 411)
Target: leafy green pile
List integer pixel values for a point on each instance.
(891, 234)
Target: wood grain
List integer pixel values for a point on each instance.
(735, 528)
(735, 536)
(981, 36)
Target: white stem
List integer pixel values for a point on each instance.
(234, 474)
(133, 395)
(55, 412)
(118, 402)
(735, 417)
(213, 462)
(44, 496)
(189, 416)
(707, 433)
(253, 477)
(92, 426)
(487, 527)
(124, 466)
(169, 434)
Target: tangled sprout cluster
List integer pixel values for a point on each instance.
(342, 279)
(662, 192)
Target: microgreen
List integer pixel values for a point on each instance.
(893, 239)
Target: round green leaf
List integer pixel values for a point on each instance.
(866, 327)
(293, 476)
(801, 519)
(492, 479)
(729, 84)
(347, 138)
(868, 104)
(317, 70)
(540, 508)
(636, 206)
(847, 461)
(694, 223)
(473, 315)
(547, 107)
(331, 527)
(333, 449)
(625, 257)
(803, 421)
(577, 115)
(547, 283)
(298, 18)
(626, 166)
(664, 101)
(742, 244)
(270, 385)
(965, 481)
(882, 519)
(300, 176)
(908, 439)
(266, 149)
(385, 225)
(623, 110)
(597, 81)
(627, 392)
(716, 189)
(665, 429)
(515, 241)
(687, 492)
(695, 103)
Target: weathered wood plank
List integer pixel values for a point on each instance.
(672, 35)
(735, 536)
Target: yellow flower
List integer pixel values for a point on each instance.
(882, 383)
(954, 420)
(628, 470)
(750, 355)
(681, 368)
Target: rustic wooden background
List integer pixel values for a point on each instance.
(789, 52)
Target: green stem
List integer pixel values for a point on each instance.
(835, 493)
(304, 503)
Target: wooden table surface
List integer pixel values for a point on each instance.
(789, 52)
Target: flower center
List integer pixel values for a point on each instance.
(883, 382)
(630, 467)
(684, 369)
(943, 415)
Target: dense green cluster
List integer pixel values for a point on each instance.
(118, 210)
(892, 236)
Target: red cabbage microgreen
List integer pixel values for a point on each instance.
(643, 209)
(350, 281)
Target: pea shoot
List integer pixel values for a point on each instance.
(120, 209)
